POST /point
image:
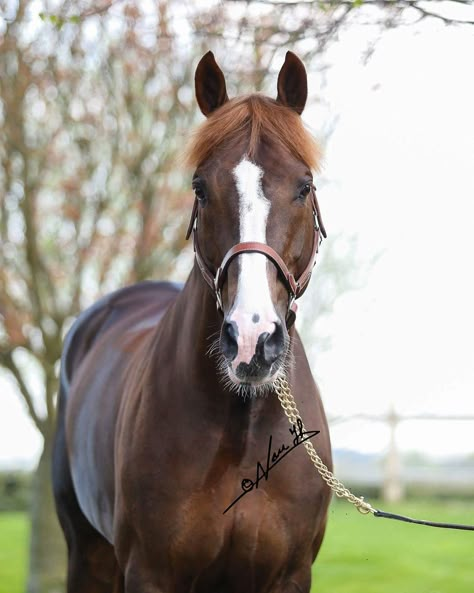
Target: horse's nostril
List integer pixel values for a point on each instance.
(229, 336)
(273, 344)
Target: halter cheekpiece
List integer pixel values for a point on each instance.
(294, 286)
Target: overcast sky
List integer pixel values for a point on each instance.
(400, 166)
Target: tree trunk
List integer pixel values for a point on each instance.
(47, 546)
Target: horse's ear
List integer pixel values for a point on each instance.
(293, 83)
(209, 82)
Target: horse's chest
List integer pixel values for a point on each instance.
(252, 536)
(192, 529)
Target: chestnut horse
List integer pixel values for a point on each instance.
(165, 438)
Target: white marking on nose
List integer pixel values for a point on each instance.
(253, 299)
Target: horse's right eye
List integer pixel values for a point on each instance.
(199, 192)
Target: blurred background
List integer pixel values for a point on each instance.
(96, 104)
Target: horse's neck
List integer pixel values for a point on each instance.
(191, 330)
(196, 324)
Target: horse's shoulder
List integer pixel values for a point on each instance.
(144, 299)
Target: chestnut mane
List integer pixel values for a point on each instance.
(253, 117)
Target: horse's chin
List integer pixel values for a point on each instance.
(253, 386)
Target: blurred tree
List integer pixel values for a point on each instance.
(92, 115)
(96, 100)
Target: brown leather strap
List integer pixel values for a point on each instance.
(206, 273)
(267, 251)
(317, 212)
(291, 314)
(193, 219)
(295, 287)
(305, 276)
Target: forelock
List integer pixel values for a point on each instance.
(249, 119)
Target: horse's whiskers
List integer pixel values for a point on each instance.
(286, 365)
(213, 349)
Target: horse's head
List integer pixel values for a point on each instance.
(256, 219)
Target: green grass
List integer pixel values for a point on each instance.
(360, 554)
(14, 531)
(365, 554)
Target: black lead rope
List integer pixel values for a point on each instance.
(386, 515)
(288, 404)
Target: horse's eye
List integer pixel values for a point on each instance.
(199, 192)
(305, 190)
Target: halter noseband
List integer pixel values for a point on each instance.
(294, 286)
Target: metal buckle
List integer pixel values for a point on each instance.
(217, 290)
(216, 280)
(219, 304)
(315, 217)
(291, 300)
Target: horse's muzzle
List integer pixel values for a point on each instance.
(256, 359)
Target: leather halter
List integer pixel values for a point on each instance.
(294, 286)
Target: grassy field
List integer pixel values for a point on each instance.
(365, 554)
(361, 554)
(14, 531)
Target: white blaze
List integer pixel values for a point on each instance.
(253, 310)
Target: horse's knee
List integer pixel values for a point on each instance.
(139, 577)
(92, 567)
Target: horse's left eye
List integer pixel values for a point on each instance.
(199, 191)
(305, 190)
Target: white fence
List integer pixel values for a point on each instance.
(391, 474)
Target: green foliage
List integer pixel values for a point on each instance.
(58, 21)
(15, 491)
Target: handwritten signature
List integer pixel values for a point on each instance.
(300, 436)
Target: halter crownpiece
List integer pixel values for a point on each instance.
(294, 286)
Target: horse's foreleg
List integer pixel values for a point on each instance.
(141, 575)
(92, 568)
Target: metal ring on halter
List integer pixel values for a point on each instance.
(219, 304)
(291, 301)
(217, 291)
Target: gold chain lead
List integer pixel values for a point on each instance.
(291, 411)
